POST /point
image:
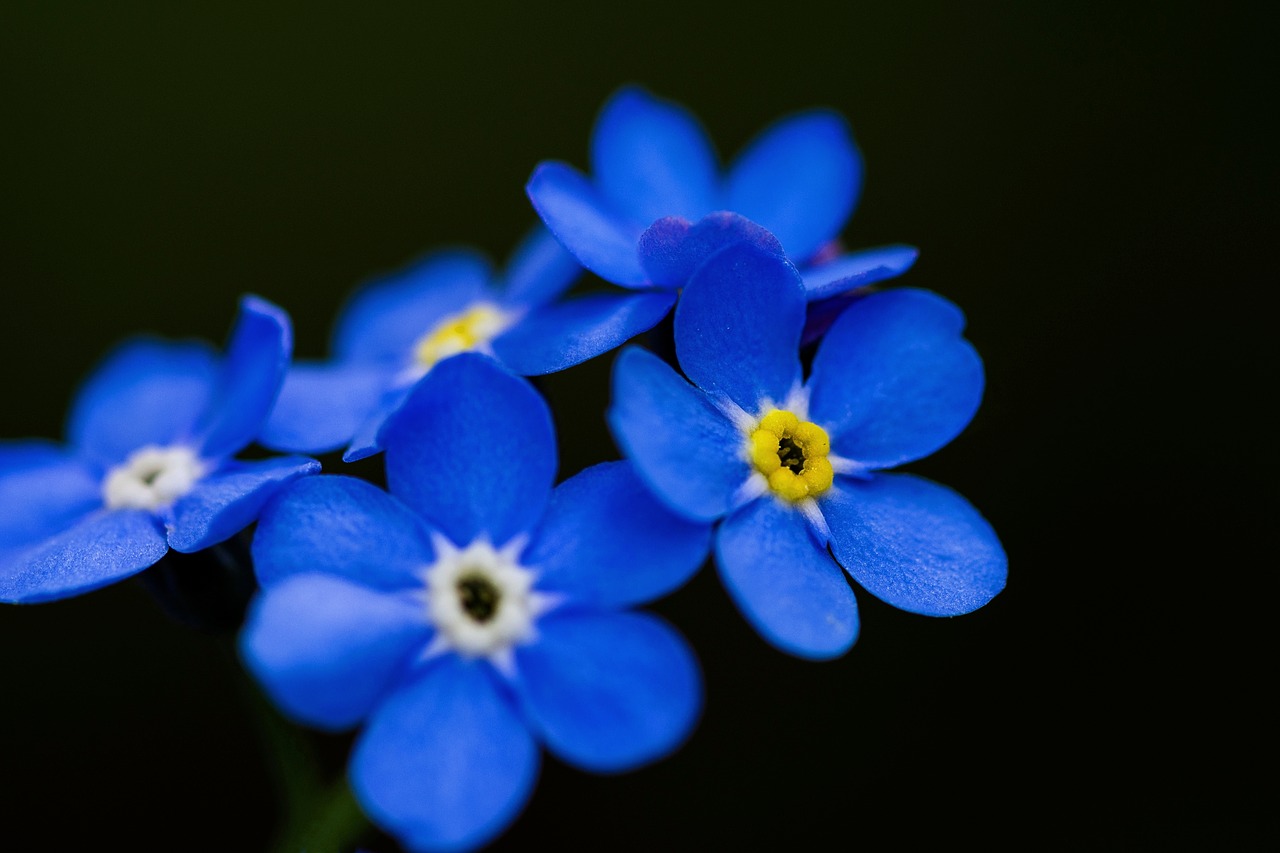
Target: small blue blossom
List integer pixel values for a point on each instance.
(792, 468)
(472, 611)
(148, 462)
(395, 329)
(656, 177)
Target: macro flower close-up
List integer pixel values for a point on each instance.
(474, 614)
(790, 466)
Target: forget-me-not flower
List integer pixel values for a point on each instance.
(793, 467)
(655, 178)
(395, 329)
(473, 611)
(148, 463)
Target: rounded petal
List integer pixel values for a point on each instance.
(651, 158)
(893, 379)
(784, 582)
(609, 691)
(686, 450)
(473, 450)
(540, 269)
(800, 179)
(341, 526)
(858, 269)
(384, 317)
(100, 549)
(326, 650)
(587, 225)
(322, 406)
(145, 392)
(365, 442)
(249, 379)
(559, 336)
(446, 763)
(607, 541)
(738, 324)
(672, 248)
(915, 544)
(43, 490)
(226, 502)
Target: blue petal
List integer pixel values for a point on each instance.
(446, 763)
(385, 317)
(249, 379)
(540, 269)
(893, 380)
(587, 225)
(473, 450)
(102, 548)
(737, 326)
(800, 179)
(559, 336)
(651, 158)
(145, 392)
(608, 542)
(226, 502)
(609, 691)
(683, 447)
(858, 269)
(366, 442)
(326, 650)
(671, 249)
(43, 489)
(322, 406)
(341, 526)
(914, 544)
(784, 582)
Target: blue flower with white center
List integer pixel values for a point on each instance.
(472, 611)
(792, 468)
(394, 330)
(149, 464)
(655, 178)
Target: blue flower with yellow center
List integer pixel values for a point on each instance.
(656, 190)
(794, 469)
(472, 611)
(149, 464)
(395, 329)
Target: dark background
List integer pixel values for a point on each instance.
(1090, 182)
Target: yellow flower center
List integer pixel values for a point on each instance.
(469, 330)
(792, 455)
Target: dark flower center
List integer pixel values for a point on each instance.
(479, 596)
(791, 454)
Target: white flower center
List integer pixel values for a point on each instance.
(151, 478)
(480, 599)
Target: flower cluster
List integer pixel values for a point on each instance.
(475, 611)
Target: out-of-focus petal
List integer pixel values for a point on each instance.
(540, 269)
(43, 490)
(322, 406)
(228, 501)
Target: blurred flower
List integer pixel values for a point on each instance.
(394, 330)
(474, 611)
(148, 465)
(795, 467)
(655, 176)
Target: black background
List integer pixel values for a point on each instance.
(1091, 182)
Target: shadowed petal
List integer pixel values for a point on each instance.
(858, 269)
(784, 582)
(327, 650)
(671, 248)
(43, 490)
(366, 442)
(559, 336)
(102, 548)
(473, 450)
(893, 380)
(540, 269)
(607, 541)
(445, 763)
(228, 501)
(321, 406)
(915, 544)
(609, 691)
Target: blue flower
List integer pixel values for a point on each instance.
(655, 178)
(393, 330)
(792, 467)
(148, 465)
(474, 611)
